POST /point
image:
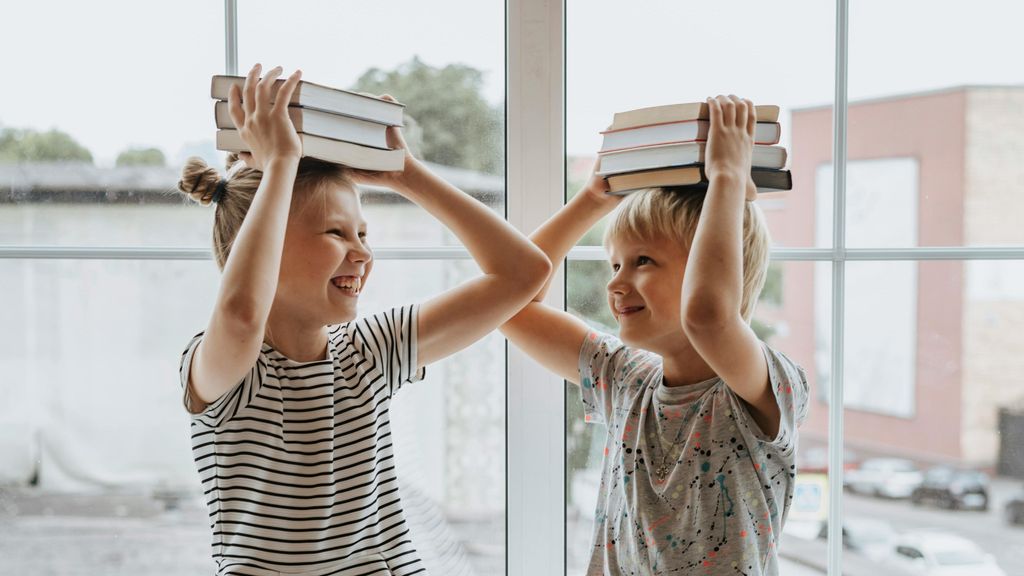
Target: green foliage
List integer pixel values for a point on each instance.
(579, 438)
(141, 157)
(772, 291)
(763, 331)
(586, 293)
(32, 146)
(455, 125)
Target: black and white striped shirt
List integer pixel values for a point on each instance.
(296, 460)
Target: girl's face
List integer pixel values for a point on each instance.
(326, 259)
(645, 290)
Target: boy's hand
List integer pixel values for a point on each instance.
(731, 141)
(596, 189)
(393, 180)
(264, 127)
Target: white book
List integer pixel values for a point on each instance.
(652, 157)
(765, 133)
(317, 123)
(325, 98)
(346, 153)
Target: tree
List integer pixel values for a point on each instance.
(453, 124)
(32, 146)
(141, 157)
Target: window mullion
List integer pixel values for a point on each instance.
(231, 37)
(535, 168)
(835, 423)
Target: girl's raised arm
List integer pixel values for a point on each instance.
(514, 270)
(232, 341)
(551, 336)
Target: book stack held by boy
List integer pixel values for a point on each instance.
(334, 125)
(663, 146)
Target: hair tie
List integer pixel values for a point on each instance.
(218, 194)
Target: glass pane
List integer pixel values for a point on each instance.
(641, 66)
(99, 123)
(933, 419)
(935, 129)
(792, 305)
(95, 455)
(452, 81)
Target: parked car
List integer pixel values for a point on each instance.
(869, 537)
(929, 553)
(887, 477)
(953, 488)
(815, 459)
(1014, 510)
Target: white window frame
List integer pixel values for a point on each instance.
(535, 171)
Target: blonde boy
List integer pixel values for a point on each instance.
(702, 416)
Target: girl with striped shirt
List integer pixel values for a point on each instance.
(289, 393)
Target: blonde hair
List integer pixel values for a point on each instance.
(657, 213)
(199, 182)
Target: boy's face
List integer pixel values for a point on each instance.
(644, 292)
(326, 259)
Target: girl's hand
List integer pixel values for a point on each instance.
(393, 180)
(731, 141)
(265, 128)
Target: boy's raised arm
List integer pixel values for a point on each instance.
(713, 283)
(551, 336)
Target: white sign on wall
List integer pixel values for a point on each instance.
(880, 329)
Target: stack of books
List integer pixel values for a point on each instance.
(334, 125)
(664, 146)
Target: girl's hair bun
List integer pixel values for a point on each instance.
(198, 180)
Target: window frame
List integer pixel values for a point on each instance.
(838, 255)
(535, 187)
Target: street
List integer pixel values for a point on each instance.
(986, 529)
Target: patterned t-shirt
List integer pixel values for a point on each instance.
(690, 484)
(296, 460)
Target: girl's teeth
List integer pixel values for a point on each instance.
(348, 284)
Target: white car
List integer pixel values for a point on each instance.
(869, 537)
(887, 477)
(941, 554)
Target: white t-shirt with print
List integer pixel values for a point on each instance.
(690, 484)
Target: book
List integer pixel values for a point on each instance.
(679, 113)
(317, 123)
(686, 153)
(693, 178)
(327, 99)
(352, 155)
(672, 132)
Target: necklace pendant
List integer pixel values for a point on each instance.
(662, 470)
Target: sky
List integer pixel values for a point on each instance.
(116, 74)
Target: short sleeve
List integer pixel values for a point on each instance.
(789, 383)
(387, 341)
(609, 370)
(231, 402)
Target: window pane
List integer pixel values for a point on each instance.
(95, 455)
(787, 323)
(452, 81)
(98, 123)
(620, 59)
(944, 102)
(932, 353)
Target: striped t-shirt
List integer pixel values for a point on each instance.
(296, 460)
